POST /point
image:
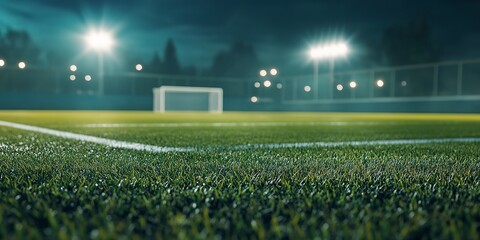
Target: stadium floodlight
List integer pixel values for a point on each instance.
(253, 99)
(263, 72)
(22, 65)
(2, 62)
(267, 83)
(72, 77)
(353, 84)
(326, 51)
(181, 98)
(307, 88)
(88, 78)
(73, 68)
(273, 72)
(138, 67)
(256, 84)
(380, 83)
(339, 87)
(100, 41)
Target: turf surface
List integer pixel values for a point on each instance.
(60, 188)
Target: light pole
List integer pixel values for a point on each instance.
(100, 41)
(330, 52)
(315, 54)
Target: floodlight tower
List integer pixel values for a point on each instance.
(100, 41)
(330, 52)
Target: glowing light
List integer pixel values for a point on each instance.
(314, 53)
(253, 99)
(273, 72)
(279, 86)
(263, 72)
(380, 83)
(72, 77)
(2, 62)
(329, 51)
(339, 87)
(22, 65)
(353, 84)
(267, 83)
(404, 83)
(73, 68)
(307, 88)
(99, 40)
(88, 78)
(256, 84)
(139, 67)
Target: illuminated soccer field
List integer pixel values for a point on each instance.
(264, 175)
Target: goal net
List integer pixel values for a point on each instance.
(179, 98)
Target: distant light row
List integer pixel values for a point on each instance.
(267, 84)
(20, 65)
(264, 72)
(307, 88)
(88, 78)
(74, 68)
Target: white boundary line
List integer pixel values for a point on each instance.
(99, 140)
(224, 124)
(354, 143)
(151, 148)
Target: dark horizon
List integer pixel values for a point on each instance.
(280, 32)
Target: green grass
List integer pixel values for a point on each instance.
(56, 188)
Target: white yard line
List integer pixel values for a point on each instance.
(224, 124)
(355, 143)
(99, 140)
(151, 148)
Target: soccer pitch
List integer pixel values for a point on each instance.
(87, 174)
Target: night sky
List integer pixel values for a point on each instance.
(280, 31)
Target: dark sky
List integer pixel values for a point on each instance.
(281, 31)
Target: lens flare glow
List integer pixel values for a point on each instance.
(263, 72)
(267, 83)
(22, 65)
(353, 84)
(329, 51)
(380, 83)
(256, 84)
(404, 83)
(99, 40)
(273, 72)
(279, 86)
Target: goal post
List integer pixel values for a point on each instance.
(181, 98)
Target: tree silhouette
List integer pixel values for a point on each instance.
(170, 64)
(239, 61)
(155, 65)
(408, 44)
(17, 45)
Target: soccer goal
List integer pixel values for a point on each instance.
(180, 98)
